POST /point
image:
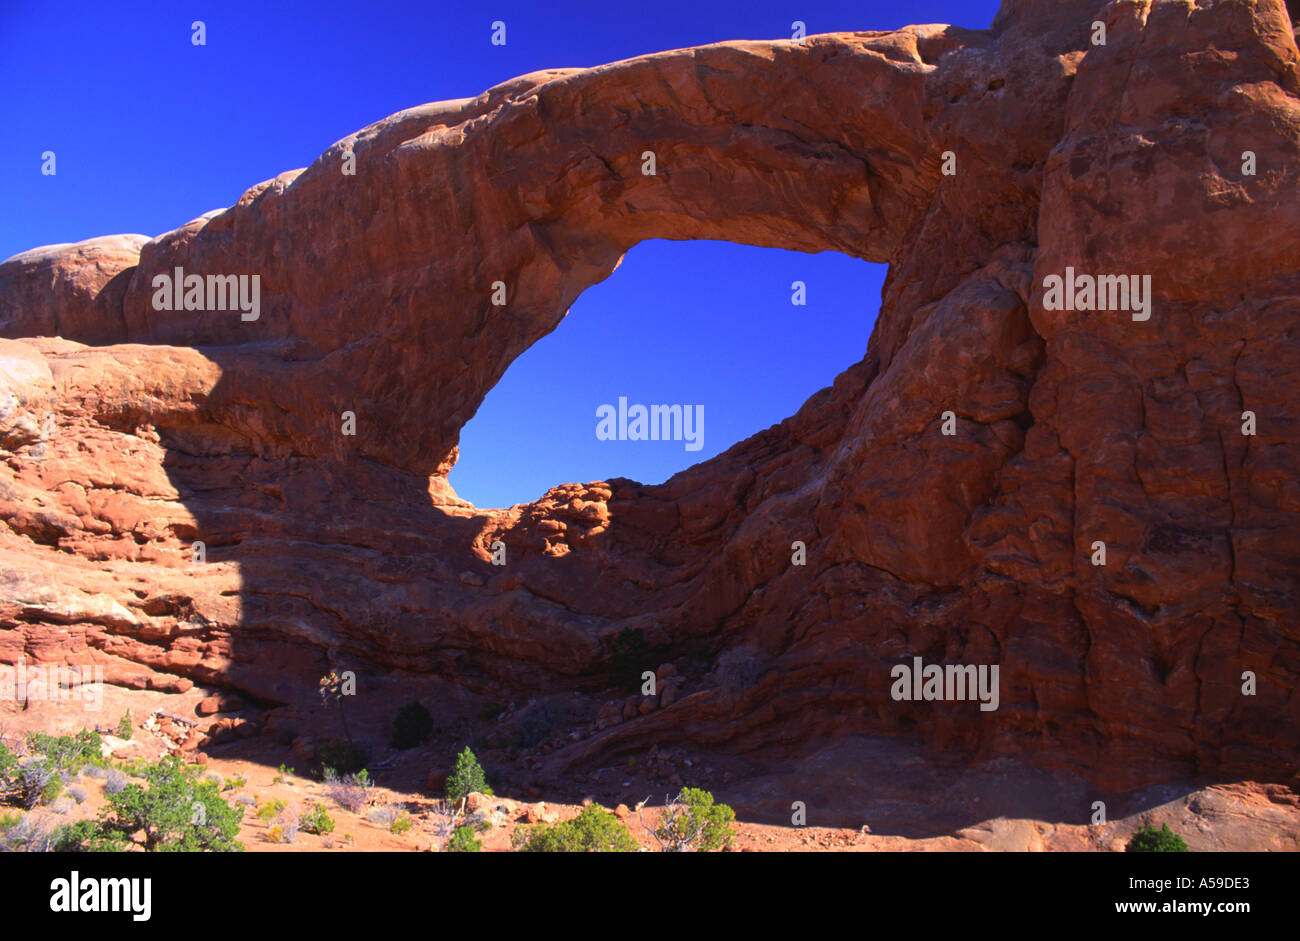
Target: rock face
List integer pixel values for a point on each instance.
(131, 432)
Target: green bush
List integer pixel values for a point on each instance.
(342, 756)
(37, 780)
(630, 655)
(28, 782)
(86, 836)
(317, 820)
(464, 841)
(268, 811)
(595, 830)
(125, 728)
(536, 723)
(412, 727)
(466, 777)
(67, 752)
(31, 835)
(175, 813)
(42, 783)
(351, 792)
(1151, 840)
(693, 823)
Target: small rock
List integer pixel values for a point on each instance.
(221, 702)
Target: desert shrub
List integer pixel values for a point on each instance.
(401, 824)
(63, 805)
(114, 781)
(28, 834)
(78, 794)
(98, 772)
(275, 835)
(270, 810)
(176, 812)
(383, 815)
(234, 784)
(693, 823)
(463, 840)
(740, 667)
(412, 727)
(135, 767)
(351, 792)
(595, 830)
(282, 774)
(343, 756)
(125, 728)
(317, 820)
(700, 655)
(26, 782)
(286, 825)
(1151, 840)
(86, 836)
(466, 777)
(535, 723)
(35, 781)
(8, 774)
(67, 752)
(248, 800)
(630, 655)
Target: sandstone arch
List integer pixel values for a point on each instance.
(972, 549)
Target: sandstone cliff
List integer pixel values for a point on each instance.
(128, 433)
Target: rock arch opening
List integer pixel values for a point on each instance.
(687, 349)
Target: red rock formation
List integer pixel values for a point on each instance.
(1071, 427)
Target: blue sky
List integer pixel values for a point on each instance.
(150, 131)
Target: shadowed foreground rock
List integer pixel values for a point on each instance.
(138, 431)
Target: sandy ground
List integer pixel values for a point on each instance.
(912, 804)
